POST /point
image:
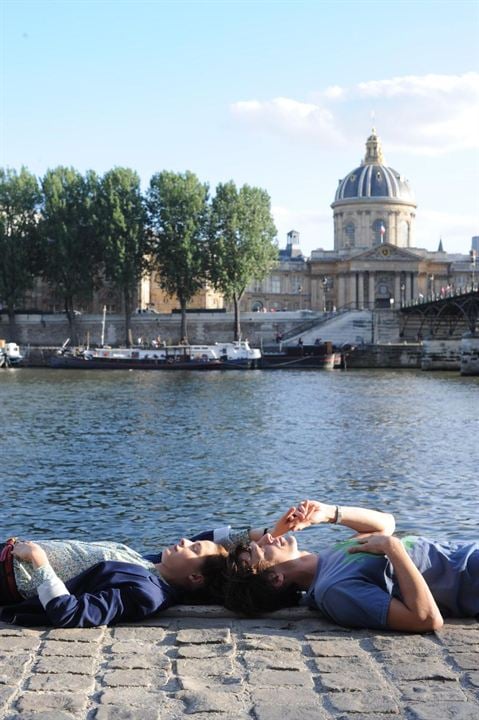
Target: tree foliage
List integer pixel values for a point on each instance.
(178, 212)
(19, 202)
(122, 216)
(71, 244)
(241, 241)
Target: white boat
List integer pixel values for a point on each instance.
(10, 354)
(220, 356)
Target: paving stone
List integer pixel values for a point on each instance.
(283, 704)
(138, 662)
(337, 648)
(60, 681)
(466, 661)
(451, 634)
(55, 664)
(272, 661)
(30, 702)
(70, 649)
(228, 683)
(211, 702)
(432, 691)
(13, 666)
(364, 702)
(340, 682)
(444, 711)
(87, 635)
(213, 635)
(209, 666)
(6, 694)
(420, 668)
(473, 678)
(135, 646)
(346, 665)
(119, 712)
(272, 643)
(134, 678)
(45, 715)
(280, 678)
(137, 697)
(138, 633)
(410, 644)
(17, 643)
(205, 651)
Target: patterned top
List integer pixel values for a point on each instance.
(71, 557)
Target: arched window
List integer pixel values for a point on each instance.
(349, 232)
(379, 232)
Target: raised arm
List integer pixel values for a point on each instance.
(417, 611)
(362, 520)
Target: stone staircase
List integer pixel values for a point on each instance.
(354, 327)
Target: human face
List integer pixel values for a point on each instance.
(270, 551)
(181, 562)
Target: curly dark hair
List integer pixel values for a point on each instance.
(250, 591)
(215, 572)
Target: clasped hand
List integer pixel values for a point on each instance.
(298, 517)
(30, 551)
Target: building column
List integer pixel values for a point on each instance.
(407, 292)
(361, 291)
(397, 291)
(415, 286)
(341, 297)
(371, 290)
(352, 302)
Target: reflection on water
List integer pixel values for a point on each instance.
(146, 457)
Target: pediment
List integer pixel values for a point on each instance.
(386, 251)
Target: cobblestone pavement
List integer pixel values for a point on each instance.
(290, 667)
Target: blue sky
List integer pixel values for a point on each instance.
(276, 94)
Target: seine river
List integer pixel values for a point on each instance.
(147, 457)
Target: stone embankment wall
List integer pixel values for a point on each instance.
(52, 330)
(404, 355)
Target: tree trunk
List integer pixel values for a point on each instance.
(12, 325)
(237, 327)
(183, 329)
(127, 309)
(72, 324)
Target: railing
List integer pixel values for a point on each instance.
(443, 295)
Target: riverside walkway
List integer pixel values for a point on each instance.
(207, 664)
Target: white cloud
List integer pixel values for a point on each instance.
(419, 114)
(288, 116)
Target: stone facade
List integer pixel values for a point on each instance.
(374, 262)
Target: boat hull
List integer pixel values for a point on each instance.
(307, 357)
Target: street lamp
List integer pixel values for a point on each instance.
(403, 294)
(300, 290)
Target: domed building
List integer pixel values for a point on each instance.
(373, 204)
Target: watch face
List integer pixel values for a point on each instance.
(385, 251)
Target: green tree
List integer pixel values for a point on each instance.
(178, 212)
(241, 241)
(123, 222)
(19, 203)
(72, 251)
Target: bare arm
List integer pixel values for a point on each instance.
(417, 612)
(362, 520)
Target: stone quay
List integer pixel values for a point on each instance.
(206, 663)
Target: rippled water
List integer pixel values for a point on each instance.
(146, 457)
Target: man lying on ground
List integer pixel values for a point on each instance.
(374, 580)
(69, 583)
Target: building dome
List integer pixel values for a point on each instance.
(374, 179)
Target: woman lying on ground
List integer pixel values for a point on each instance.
(373, 580)
(69, 583)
